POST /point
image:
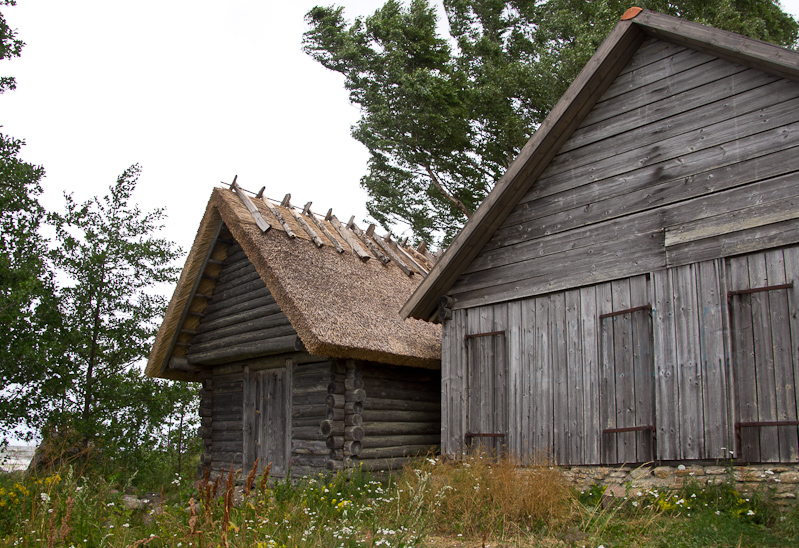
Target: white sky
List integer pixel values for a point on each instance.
(195, 91)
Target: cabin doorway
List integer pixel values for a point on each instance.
(627, 386)
(267, 420)
(486, 392)
(764, 361)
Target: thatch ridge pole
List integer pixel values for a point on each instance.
(279, 218)
(365, 239)
(306, 227)
(349, 238)
(320, 225)
(256, 215)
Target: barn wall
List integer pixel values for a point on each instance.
(667, 350)
(685, 158)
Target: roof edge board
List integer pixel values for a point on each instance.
(190, 297)
(727, 45)
(597, 75)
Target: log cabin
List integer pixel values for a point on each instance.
(290, 320)
(628, 292)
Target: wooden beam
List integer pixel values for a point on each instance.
(260, 193)
(348, 237)
(286, 201)
(307, 228)
(409, 257)
(367, 241)
(306, 209)
(719, 43)
(321, 226)
(280, 219)
(256, 215)
(387, 248)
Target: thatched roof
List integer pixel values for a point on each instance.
(340, 304)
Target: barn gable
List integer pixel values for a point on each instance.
(653, 70)
(627, 291)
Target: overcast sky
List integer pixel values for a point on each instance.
(195, 91)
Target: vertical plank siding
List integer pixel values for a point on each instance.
(648, 350)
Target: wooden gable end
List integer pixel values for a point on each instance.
(686, 157)
(241, 319)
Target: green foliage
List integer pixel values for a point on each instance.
(28, 309)
(10, 46)
(355, 509)
(111, 262)
(443, 117)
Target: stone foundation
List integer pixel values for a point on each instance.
(778, 482)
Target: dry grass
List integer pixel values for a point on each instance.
(485, 496)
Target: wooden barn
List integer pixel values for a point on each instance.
(291, 322)
(627, 292)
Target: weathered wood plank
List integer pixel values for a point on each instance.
(791, 257)
(607, 204)
(681, 59)
(542, 380)
(653, 92)
(590, 427)
(260, 293)
(624, 371)
(779, 322)
(764, 359)
(244, 336)
(607, 375)
(560, 377)
(244, 350)
(648, 133)
(712, 301)
(744, 351)
(643, 367)
(681, 102)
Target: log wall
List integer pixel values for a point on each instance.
(672, 365)
(226, 421)
(685, 158)
(242, 319)
(391, 414)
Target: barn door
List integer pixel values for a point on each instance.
(627, 386)
(486, 393)
(763, 360)
(267, 420)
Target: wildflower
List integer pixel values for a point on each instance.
(750, 513)
(45, 497)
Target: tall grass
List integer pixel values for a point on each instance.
(486, 496)
(477, 498)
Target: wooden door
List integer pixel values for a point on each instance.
(627, 386)
(267, 420)
(763, 359)
(486, 393)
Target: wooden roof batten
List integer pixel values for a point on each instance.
(382, 248)
(578, 100)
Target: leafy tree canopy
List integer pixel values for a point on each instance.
(443, 116)
(10, 46)
(112, 261)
